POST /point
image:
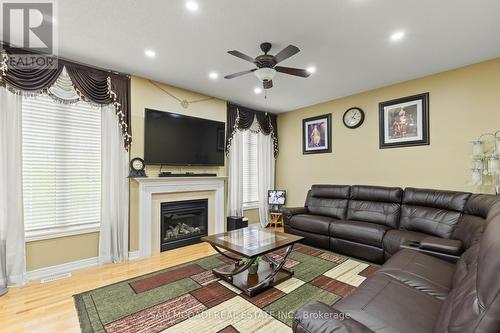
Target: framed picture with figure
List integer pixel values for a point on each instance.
(404, 122)
(317, 134)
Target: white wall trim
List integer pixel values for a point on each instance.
(152, 185)
(62, 268)
(70, 267)
(133, 255)
(61, 231)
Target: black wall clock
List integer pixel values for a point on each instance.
(137, 168)
(353, 117)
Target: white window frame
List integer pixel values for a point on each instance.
(42, 233)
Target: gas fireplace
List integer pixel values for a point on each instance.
(183, 223)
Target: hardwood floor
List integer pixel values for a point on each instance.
(49, 307)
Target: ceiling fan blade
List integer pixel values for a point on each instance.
(286, 53)
(292, 71)
(230, 76)
(241, 55)
(267, 84)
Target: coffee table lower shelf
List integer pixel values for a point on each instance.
(249, 283)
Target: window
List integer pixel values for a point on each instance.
(250, 177)
(61, 166)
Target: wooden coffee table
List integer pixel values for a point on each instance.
(251, 243)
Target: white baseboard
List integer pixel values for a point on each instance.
(70, 267)
(62, 268)
(132, 255)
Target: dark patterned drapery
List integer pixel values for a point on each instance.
(241, 118)
(92, 85)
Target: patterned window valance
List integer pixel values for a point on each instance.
(92, 85)
(241, 118)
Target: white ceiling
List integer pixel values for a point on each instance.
(348, 41)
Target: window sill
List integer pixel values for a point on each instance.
(250, 205)
(62, 231)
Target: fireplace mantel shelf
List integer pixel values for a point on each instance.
(144, 180)
(149, 186)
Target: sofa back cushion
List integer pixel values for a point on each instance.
(473, 220)
(329, 200)
(375, 204)
(473, 304)
(434, 212)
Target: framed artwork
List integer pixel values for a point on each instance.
(317, 134)
(404, 122)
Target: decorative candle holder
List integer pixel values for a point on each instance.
(477, 148)
(486, 163)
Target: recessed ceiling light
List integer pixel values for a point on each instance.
(257, 90)
(311, 69)
(192, 6)
(150, 53)
(213, 75)
(397, 36)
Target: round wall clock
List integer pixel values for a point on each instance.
(137, 168)
(353, 117)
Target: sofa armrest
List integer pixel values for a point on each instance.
(288, 212)
(442, 245)
(319, 317)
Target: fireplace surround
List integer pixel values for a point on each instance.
(154, 190)
(182, 223)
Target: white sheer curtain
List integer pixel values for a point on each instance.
(12, 248)
(265, 169)
(235, 176)
(113, 238)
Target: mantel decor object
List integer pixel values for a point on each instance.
(485, 157)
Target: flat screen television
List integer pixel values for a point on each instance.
(276, 197)
(174, 139)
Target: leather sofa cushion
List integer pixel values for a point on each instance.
(383, 213)
(331, 191)
(329, 200)
(377, 193)
(385, 304)
(447, 200)
(433, 221)
(425, 273)
(335, 208)
(442, 245)
(469, 229)
(394, 238)
(370, 253)
(311, 223)
(358, 231)
(316, 240)
(338, 322)
(480, 204)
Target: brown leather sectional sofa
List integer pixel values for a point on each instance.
(441, 251)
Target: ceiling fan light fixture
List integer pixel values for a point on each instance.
(265, 73)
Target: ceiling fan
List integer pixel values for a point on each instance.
(266, 64)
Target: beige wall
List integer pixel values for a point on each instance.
(56, 251)
(463, 104)
(252, 215)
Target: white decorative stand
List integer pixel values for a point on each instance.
(155, 185)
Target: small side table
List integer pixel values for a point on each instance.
(276, 218)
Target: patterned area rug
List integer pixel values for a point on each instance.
(189, 298)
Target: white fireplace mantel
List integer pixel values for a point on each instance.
(155, 185)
